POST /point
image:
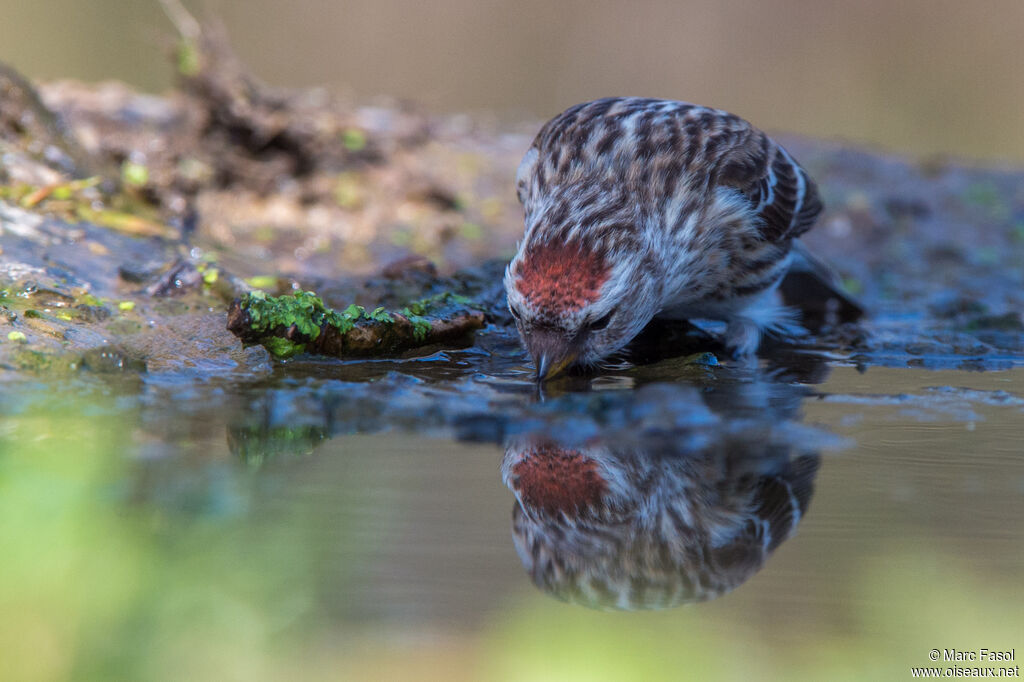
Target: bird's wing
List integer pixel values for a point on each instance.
(783, 194)
(660, 146)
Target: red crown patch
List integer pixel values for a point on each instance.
(561, 276)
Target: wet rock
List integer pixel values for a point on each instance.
(24, 116)
(952, 304)
(1011, 321)
(410, 266)
(142, 272)
(179, 278)
(108, 359)
(907, 207)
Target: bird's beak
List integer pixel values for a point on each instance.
(548, 367)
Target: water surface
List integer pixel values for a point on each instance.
(332, 521)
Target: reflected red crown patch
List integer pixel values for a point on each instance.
(559, 480)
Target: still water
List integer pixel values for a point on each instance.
(439, 519)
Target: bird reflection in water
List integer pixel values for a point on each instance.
(627, 527)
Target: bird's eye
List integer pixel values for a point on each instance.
(601, 322)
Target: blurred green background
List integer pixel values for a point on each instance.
(134, 545)
(921, 76)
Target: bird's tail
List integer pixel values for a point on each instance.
(815, 289)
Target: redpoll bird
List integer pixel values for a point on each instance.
(634, 528)
(637, 208)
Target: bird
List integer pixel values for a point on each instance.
(635, 525)
(636, 208)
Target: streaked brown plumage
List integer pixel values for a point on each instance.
(642, 207)
(639, 528)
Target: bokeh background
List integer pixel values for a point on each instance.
(135, 545)
(926, 77)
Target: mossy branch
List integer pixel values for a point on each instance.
(289, 325)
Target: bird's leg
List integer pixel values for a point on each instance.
(742, 337)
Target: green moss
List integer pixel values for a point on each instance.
(420, 327)
(308, 314)
(987, 255)
(122, 326)
(354, 139)
(348, 190)
(353, 312)
(89, 300)
(417, 310)
(471, 231)
(62, 193)
(123, 222)
(1017, 231)
(31, 360)
(16, 336)
(1009, 322)
(988, 196)
(703, 359)
(304, 310)
(853, 285)
(134, 174)
(982, 194)
(401, 237)
(380, 315)
(262, 281)
(188, 58)
(283, 348)
(257, 445)
(31, 196)
(432, 303)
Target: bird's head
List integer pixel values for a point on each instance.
(576, 303)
